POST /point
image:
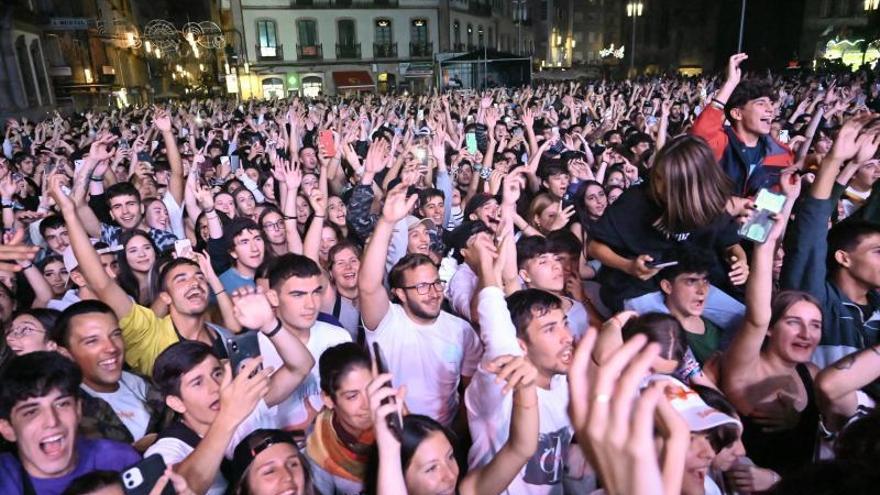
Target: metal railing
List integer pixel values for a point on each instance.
(384, 50)
(310, 52)
(421, 50)
(348, 51)
(269, 53)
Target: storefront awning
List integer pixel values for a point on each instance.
(354, 79)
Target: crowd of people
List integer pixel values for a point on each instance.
(662, 285)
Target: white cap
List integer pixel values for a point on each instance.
(413, 221)
(70, 261)
(698, 415)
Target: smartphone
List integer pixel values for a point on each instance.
(242, 347)
(326, 140)
(758, 227)
(660, 264)
(784, 138)
(183, 249)
(471, 142)
(420, 115)
(395, 421)
(421, 154)
(224, 160)
(143, 476)
(554, 133)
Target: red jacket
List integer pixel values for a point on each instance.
(729, 151)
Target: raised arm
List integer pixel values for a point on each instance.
(89, 262)
(745, 347)
(374, 297)
(522, 441)
(252, 309)
(838, 385)
(176, 183)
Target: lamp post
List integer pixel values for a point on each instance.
(634, 10)
(871, 6)
(742, 25)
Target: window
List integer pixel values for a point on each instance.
(843, 8)
(480, 39)
(491, 38)
(419, 32)
(346, 32)
(824, 8)
(40, 69)
(267, 37)
(307, 30)
(470, 37)
(26, 72)
(312, 86)
(383, 35)
(456, 33)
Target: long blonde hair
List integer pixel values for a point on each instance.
(688, 184)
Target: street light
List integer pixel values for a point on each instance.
(872, 5)
(634, 9)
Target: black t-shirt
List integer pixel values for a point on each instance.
(628, 228)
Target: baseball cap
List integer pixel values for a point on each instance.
(458, 238)
(476, 202)
(250, 447)
(696, 413)
(413, 221)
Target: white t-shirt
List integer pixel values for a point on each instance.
(322, 337)
(175, 215)
(429, 359)
(578, 320)
(460, 290)
(128, 402)
(69, 298)
(174, 451)
(489, 410)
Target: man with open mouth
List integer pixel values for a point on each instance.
(40, 412)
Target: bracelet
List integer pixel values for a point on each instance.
(97, 179)
(217, 293)
(275, 330)
(719, 102)
(6, 205)
(23, 268)
(209, 211)
(289, 218)
(317, 216)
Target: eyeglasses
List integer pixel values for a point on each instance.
(16, 333)
(279, 225)
(422, 288)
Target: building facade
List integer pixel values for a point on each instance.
(844, 30)
(309, 47)
(25, 86)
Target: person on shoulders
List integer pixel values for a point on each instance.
(746, 151)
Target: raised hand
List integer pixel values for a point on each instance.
(734, 72)
(205, 199)
(377, 157)
(318, 202)
(13, 252)
(162, 120)
(517, 371)
(252, 309)
(239, 396)
(615, 431)
(397, 204)
(847, 143)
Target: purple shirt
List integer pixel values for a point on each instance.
(92, 455)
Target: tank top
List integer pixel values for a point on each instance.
(787, 450)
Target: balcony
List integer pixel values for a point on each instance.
(309, 52)
(270, 53)
(421, 50)
(343, 4)
(384, 50)
(349, 51)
